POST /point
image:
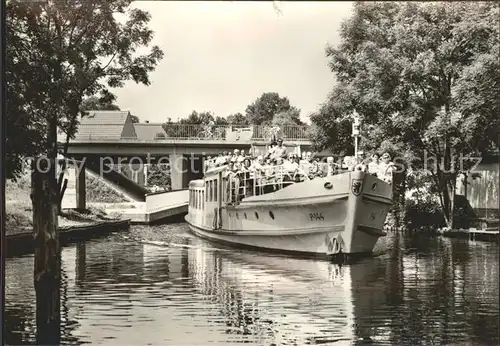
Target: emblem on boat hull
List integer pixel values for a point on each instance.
(356, 186)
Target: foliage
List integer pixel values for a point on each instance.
(195, 118)
(159, 175)
(237, 119)
(425, 78)
(94, 103)
(287, 118)
(60, 52)
(426, 213)
(264, 108)
(329, 130)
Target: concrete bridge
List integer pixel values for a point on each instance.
(110, 138)
(107, 141)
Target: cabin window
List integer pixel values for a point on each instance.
(271, 215)
(215, 190)
(202, 199)
(256, 215)
(196, 199)
(245, 214)
(206, 188)
(211, 198)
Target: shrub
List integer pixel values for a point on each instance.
(99, 191)
(159, 176)
(423, 213)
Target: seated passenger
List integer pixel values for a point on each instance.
(386, 168)
(241, 156)
(209, 163)
(268, 178)
(270, 150)
(234, 157)
(220, 160)
(331, 168)
(303, 158)
(280, 150)
(373, 165)
(313, 169)
(348, 163)
(291, 165)
(257, 164)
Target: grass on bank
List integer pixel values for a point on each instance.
(19, 210)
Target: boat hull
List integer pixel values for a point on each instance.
(343, 214)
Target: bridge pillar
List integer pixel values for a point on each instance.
(178, 168)
(146, 175)
(81, 195)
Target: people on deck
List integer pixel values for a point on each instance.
(278, 168)
(385, 168)
(280, 150)
(373, 164)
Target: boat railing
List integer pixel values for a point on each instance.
(255, 182)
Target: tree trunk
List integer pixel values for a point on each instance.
(399, 192)
(47, 252)
(448, 201)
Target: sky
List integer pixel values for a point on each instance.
(221, 56)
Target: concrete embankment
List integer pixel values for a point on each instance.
(21, 241)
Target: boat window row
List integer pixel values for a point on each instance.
(196, 199)
(211, 188)
(271, 215)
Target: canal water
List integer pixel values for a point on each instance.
(162, 286)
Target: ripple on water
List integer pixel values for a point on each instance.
(162, 286)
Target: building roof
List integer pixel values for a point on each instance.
(99, 124)
(147, 132)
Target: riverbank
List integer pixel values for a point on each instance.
(19, 211)
(73, 225)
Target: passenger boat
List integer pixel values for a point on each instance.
(338, 214)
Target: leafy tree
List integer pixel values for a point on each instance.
(196, 118)
(287, 118)
(263, 109)
(330, 130)
(237, 119)
(220, 121)
(60, 52)
(204, 118)
(94, 103)
(424, 77)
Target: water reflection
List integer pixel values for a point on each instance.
(162, 286)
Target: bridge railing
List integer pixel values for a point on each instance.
(168, 131)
